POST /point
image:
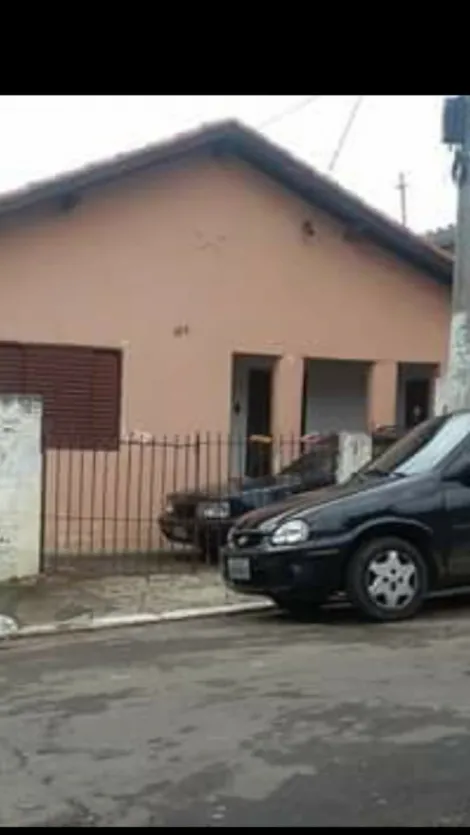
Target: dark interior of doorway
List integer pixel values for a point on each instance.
(417, 401)
(303, 418)
(258, 460)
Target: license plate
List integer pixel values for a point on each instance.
(238, 568)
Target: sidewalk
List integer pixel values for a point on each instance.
(64, 599)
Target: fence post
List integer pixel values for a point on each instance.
(197, 460)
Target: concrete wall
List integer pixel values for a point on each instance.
(354, 451)
(20, 486)
(183, 269)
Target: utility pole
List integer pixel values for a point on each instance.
(402, 187)
(456, 134)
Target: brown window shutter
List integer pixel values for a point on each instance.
(106, 392)
(80, 387)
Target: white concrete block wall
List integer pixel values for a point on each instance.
(440, 396)
(354, 450)
(20, 486)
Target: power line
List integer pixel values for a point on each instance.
(288, 111)
(345, 133)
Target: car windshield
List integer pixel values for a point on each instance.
(422, 449)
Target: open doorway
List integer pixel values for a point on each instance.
(258, 422)
(417, 401)
(416, 384)
(251, 414)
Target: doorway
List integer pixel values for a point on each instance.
(415, 393)
(417, 401)
(258, 422)
(251, 414)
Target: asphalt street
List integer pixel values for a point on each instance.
(252, 720)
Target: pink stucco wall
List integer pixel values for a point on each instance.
(218, 250)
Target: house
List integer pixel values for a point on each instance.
(215, 283)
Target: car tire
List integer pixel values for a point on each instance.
(387, 579)
(298, 608)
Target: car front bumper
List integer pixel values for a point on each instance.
(194, 531)
(298, 572)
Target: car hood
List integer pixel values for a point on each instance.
(237, 487)
(306, 502)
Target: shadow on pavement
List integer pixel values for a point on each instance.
(454, 604)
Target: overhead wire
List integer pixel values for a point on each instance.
(289, 111)
(345, 133)
(298, 106)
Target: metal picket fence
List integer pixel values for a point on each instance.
(101, 507)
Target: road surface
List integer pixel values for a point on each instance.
(245, 721)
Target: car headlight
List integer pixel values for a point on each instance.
(214, 510)
(169, 507)
(290, 533)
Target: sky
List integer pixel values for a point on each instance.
(41, 136)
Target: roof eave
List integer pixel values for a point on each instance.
(317, 189)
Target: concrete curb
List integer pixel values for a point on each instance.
(139, 619)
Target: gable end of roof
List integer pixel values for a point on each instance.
(231, 137)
